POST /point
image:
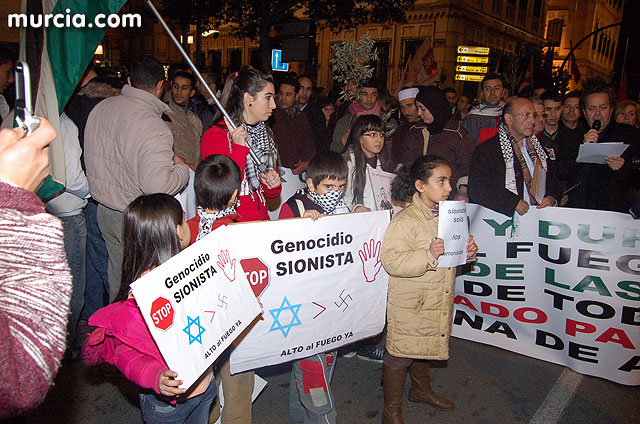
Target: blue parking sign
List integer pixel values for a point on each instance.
(276, 61)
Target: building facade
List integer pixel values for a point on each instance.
(569, 21)
(502, 25)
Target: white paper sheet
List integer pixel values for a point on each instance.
(453, 228)
(596, 152)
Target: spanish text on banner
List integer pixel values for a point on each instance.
(321, 283)
(196, 304)
(565, 289)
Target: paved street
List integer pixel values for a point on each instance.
(489, 385)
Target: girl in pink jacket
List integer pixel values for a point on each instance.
(154, 230)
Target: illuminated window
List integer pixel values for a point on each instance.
(554, 31)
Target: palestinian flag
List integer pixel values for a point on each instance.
(57, 58)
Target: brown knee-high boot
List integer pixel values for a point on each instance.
(421, 390)
(394, 371)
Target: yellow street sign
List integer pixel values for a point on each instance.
(473, 50)
(472, 59)
(472, 78)
(477, 69)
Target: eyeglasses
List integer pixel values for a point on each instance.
(373, 134)
(527, 115)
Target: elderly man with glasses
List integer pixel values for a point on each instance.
(510, 171)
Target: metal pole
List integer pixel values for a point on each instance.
(566, 59)
(261, 166)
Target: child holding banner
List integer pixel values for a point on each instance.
(420, 298)
(310, 396)
(217, 185)
(154, 230)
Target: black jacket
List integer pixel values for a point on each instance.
(486, 179)
(599, 186)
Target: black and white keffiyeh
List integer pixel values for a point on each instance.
(208, 219)
(264, 147)
(506, 143)
(329, 202)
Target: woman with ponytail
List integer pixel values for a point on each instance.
(248, 96)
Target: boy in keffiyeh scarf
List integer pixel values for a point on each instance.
(326, 182)
(217, 184)
(311, 398)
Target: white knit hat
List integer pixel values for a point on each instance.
(408, 93)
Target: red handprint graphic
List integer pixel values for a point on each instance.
(370, 257)
(227, 265)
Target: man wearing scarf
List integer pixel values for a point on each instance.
(444, 136)
(509, 172)
(366, 104)
(483, 118)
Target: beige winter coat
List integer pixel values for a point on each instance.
(128, 150)
(420, 301)
(187, 133)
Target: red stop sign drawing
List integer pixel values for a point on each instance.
(257, 273)
(162, 313)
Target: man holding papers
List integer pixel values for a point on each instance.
(608, 185)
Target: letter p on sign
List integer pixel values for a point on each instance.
(162, 313)
(257, 273)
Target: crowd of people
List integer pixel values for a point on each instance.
(132, 146)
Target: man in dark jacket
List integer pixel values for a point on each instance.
(606, 186)
(313, 113)
(510, 171)
(293, 134)
(407, 98)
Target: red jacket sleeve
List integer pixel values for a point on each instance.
(215, 141)
(194, 227)
(272, 193)
(285, 212)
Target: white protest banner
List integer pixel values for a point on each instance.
(321, 283)
(566, 289)
(381, 187)
(195, 304)
(453, 228)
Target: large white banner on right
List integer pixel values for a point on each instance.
(561, 285)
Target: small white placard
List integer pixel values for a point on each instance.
(453, 228)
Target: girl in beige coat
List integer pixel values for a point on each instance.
(420, 301)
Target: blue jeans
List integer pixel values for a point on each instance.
(192, 411)
(97, 263)
(75, 246)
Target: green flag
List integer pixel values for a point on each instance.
(57, 58)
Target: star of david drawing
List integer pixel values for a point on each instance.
(187, 329)
(295, 320)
